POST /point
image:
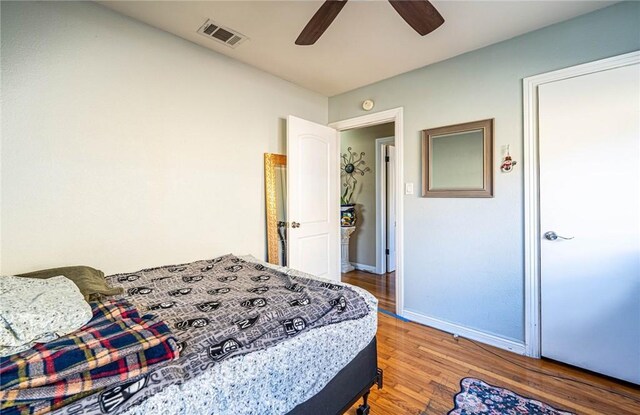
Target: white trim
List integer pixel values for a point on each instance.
(363, 267)
(530, 86)
(466, 332)
(531, 222)
(381, 205)
(396, 116)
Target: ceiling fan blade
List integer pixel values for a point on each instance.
(419, 14)
(320, 22)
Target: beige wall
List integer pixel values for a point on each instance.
(125, 147)
(362, 245)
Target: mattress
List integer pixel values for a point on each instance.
(269, 381)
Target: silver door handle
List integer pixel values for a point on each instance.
(295, 225)
(552, 236)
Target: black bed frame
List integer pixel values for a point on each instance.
(353, 382)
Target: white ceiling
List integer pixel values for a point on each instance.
(366, 43)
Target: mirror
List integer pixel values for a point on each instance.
(275, 185)
(457, 160)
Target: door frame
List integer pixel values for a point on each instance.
(381, 204)
(394, 115)
(531, 160)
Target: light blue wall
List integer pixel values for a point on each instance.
(464, 257)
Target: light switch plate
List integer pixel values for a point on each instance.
(408, 188)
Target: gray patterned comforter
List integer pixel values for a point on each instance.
(218, 309)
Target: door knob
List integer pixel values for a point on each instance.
(295, 225)
(552, 236)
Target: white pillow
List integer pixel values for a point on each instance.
(36, 310)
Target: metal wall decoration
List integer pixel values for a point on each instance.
(352, 164)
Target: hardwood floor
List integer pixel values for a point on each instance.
(423, 368)
(383, 287)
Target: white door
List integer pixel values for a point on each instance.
(313, 204)
(391, 209)
(589, 136)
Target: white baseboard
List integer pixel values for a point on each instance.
(363, 267)
(472, 334)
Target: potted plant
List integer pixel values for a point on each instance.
(347, 209)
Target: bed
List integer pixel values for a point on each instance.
(326, 361)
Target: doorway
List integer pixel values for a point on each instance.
(385, 205)
(373, 244)
(368, 241)
(313, 196)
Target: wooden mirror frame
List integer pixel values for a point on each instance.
(271, 161)
(487, 172)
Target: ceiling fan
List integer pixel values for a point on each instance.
(419, 14)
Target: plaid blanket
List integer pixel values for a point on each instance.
(116, 345)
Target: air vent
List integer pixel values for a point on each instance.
(221, 34)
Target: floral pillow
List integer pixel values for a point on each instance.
(38, 310)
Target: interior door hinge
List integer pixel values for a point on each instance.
(387, 251)
(386, 158)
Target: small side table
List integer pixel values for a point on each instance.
(345, 234)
